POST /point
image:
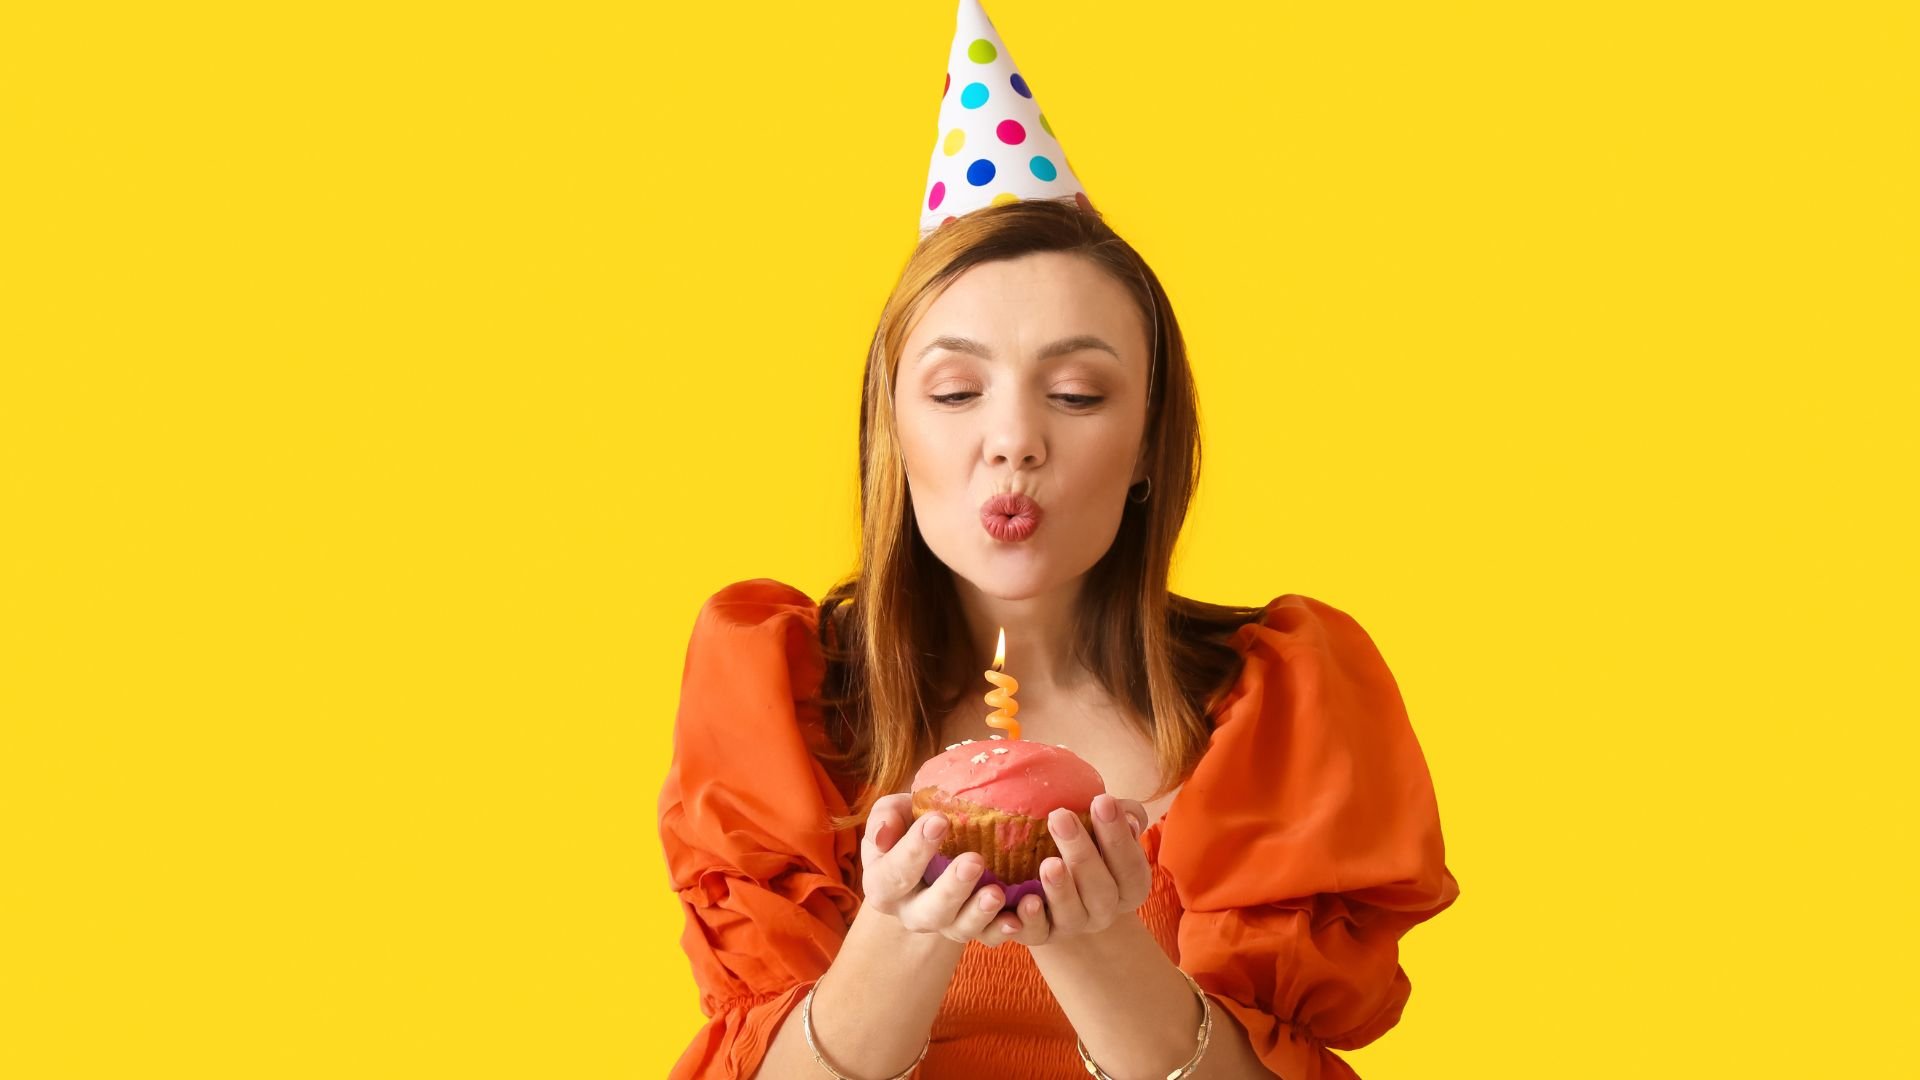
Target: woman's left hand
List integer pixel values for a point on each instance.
(1093, 882)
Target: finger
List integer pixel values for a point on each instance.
(921, 843)
(1064, 908)
(1006, 927)
(885, 830)
(1035, 925)
(1091, 878)
(1133, 814)
(975, 918)
(1120, 845)
(887, 821)
(903, 868)
(1109, 816)
(938, 905)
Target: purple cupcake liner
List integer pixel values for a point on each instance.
(1014, 893)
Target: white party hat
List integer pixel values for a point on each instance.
(993, 144)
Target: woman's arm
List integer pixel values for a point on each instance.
(1134, 1009)
(873, 1015)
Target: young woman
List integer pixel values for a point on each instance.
(1028, 448)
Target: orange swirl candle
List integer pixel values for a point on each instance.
(1001, 696)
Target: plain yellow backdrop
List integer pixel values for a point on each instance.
(383, 387)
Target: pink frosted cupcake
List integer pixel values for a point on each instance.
(996, 794)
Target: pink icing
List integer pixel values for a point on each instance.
(1032, 777)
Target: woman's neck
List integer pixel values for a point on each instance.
(1039, 631)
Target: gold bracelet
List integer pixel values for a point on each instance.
(806, 1028)
(1206, 1035)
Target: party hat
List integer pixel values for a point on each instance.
(993, 144)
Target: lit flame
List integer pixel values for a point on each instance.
(1001, 696)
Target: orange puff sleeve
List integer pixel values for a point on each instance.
(768, 892)
(1306, 843)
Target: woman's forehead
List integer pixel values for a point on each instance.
(1027, 313)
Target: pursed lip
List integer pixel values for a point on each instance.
(1010, 516)
(1012, 504)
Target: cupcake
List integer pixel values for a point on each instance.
(996, 795)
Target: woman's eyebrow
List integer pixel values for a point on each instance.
(1076, 343)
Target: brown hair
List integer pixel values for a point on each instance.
(886, 628)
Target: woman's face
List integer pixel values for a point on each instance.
(1026, 375)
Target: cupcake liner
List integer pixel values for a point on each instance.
(1014, 893)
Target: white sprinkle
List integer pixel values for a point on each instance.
(955, 746)
(996, 736)
(1001, 750)
(1061, 745)
(978, 759)
(966, 742)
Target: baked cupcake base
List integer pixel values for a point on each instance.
(1013, 844)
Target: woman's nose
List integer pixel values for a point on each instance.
(1015, 436)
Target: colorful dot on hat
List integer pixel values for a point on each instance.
(938, 193)
(1080, 197)
(955, 140)
(1044, 124)
(1019, 85)
(980, 173)
(1011, 132)
(1042, 168)
(981, 51)
(974, 96)
(946, 86)
(1004, 198)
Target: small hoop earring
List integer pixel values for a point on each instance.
(1145, 495)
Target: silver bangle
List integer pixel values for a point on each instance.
(806, 1028)
(1205, 1036)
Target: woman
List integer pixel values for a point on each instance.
(1271, 829)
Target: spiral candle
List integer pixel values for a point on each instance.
(1001, 696)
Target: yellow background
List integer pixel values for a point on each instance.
(383, 387)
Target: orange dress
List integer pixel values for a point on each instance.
(1302, 847)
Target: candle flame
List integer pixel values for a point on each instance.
(1001, 696)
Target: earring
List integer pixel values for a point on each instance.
(1145, 495)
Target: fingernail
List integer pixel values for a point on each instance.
(1104, 808)
(1134, 824)
(1065, 824)
(936, 825)
(968, 870)
(989, 902)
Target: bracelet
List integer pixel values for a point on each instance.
(1205, 1036)
(806, 1028)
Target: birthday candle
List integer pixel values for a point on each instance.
(1001, 696)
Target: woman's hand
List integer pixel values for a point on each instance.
(1094, 881)
(894, 854)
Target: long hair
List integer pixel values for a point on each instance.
(891, 632)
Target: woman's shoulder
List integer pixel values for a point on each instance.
(748, 709)
(756, 635)
(1312, 755)
(1304, 630)
(754, 601)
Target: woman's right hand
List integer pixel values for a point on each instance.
(894, 854)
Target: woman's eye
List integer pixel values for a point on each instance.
(1078, 401)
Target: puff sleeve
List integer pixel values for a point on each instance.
(1306, 843)
(766, 888)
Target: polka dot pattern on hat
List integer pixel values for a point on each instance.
(992, 145)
